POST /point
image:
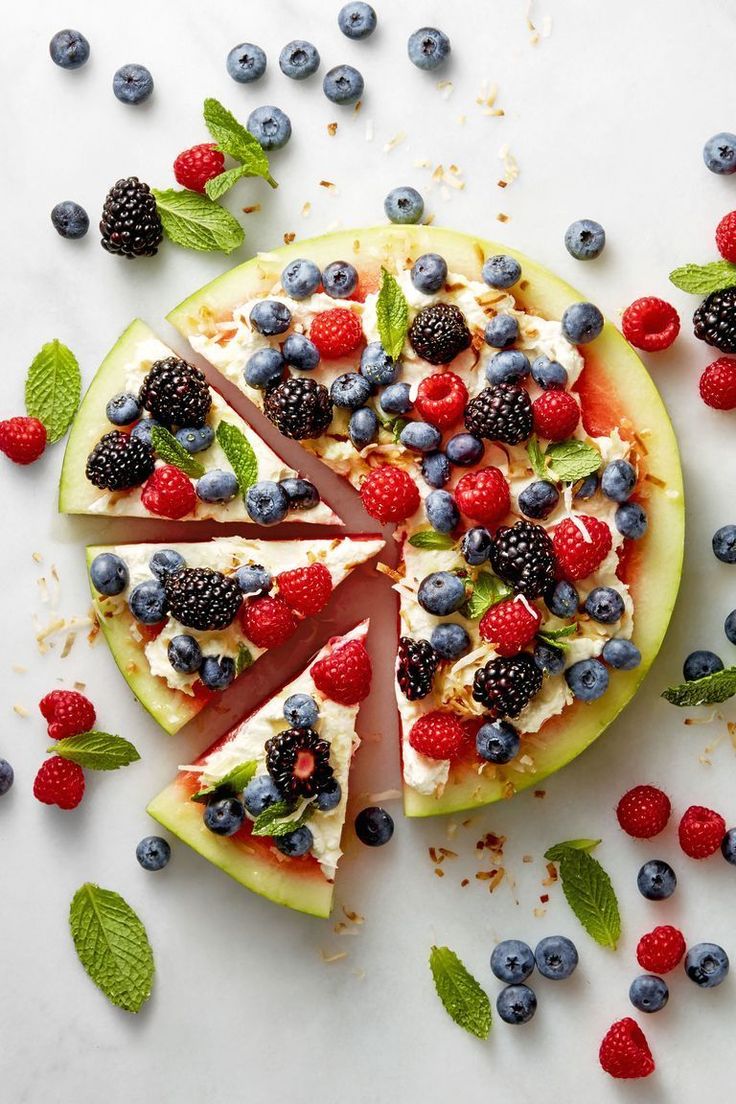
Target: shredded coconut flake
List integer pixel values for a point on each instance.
(580, 525)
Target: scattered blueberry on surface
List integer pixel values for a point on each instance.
(728, 846)
(649, 993)
(260, 793)
(363, 427)
(497, 742)
(270, 126)
(605, 605)
(435, 469)
(476, 546)
(622, 655)
(270, 317)
(381, 370)
(442, 512)
(729, 627)
(217, 485)
(538, 499)
(301, 494)
(195, 438)
(148, 602)
(563, 601)
(301, 278)
(300, 353)
(166, 561)
(224, 816)
(428, 48)
(266, 502)
(217, 672)
(374, 826)
(299, 59)
(246, 63)
(516, 1004)
(69, 219)
(550, 659)
(343, 84)
(185, 654)
(330, 797)
(132, 84)
(464, 450)
(357, 20)
(264, 368)
(631, 520)
(719, 153)
(512, 961)
(340, 279)
(581, 323)
(724, 544)
(350, 390)
(508, 366)
(656, 880)
(549, 374)
(588, 679)
(403, 205)
(428, 273)
(585, 239)
(254, 580)
(109, 574)
(706, 964)
(501, 331)
(153, 853)
(295, 843)
(701, 663)
(556, 957)
(618, 480)
(420, 437)
(501, 271)
(450, 641)
(7, 776)
(69, 49)
(123, 409)
(301, 711)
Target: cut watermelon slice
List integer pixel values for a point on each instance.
(305, 883)
(141, 651)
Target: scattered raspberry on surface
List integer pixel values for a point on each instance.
(441, 399)
(437, 735)
(59, 782)
(336, 332)
(389, 493)
(22, 439)
(510, 625)
(726, 237)
(718, 384)
(661, 949)
(643, 812)
(68, 713)
(268, 621)
(624, 1052)
(577, 557)
(306, 589)
(484, 495)
(650, 324)
(700, 831)
(556, 415)
(195, 166)
(169, 493)
(344, 675)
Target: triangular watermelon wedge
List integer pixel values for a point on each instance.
(305, 883)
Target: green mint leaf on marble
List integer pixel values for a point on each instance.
(430, 538)
(271, 823)
(572, 460)
(703, 279)
(112, 945)
(536, 458)
(231, 785)
(461, 995)
(218, 185)
(196, 222)
(555, 853)
(171, 451)
(232, 138)
(710, 690)
(588, 890)
(243, 659)
(240, 454)
(96, 751)
(487, 592)
(392, 315)
(53, 389)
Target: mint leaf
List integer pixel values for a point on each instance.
(572, 460)
(536, 457)
(430, 538)
(218, 185)
(194, 221)
(233, 783)
(53, 388)
(233, 138)
(168, 449)
(243, 660)
(487, 592)
(240, 454)
(461, 995)
(392, 315)
(588, 891)
(555, 853)
(112, 945)
(397, 428)
(557, 638)
(271, 823)
(703, 279)
(96, 751)
(710, 690)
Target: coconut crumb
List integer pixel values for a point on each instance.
(438, 872)
(446, 87)
(336, 956)
(306, 209)
(353, 917)
(328, 185)
(21, 710)
(19, 669)
(384, 569)
(395, 141)
(37, 557)
(501, 217)
(510, 164)
(68, 644)
(540, 793)
(540, 912)
(527, 858)
(580, 526)
(551, 875)
(369, 130)
(332, 129)
(251, 208)
(289, 237)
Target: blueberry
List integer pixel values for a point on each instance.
(270, 126)
(719, 153)
(585, 239)
(501, 271)
(549, 659)
(556, 957)
(339, 279)
(123, 409)
(501, 331)
(343, 84)
(450, 641)
(302, 494)
(497, 742)
(69, 49)
(441, 593)
(330, 797)
(185, 654)
(295, 843)
(148, 602)
(631, 520)
(588, 679)
(299, 59)
(618, 480)
(266, 502)
(464, 449)
(724, 544)
(254, 580)
(301, 278)
(428, 273)
(706, 964)
(476, 546)
(563, 600)
(395, 399)
(428, 48)
(143, 431)
(217, 486)
(300, 353)
(69, 219)
(246, 63)
(516, 1004)
(301, 711)
(728, 846)
(729, 626)
(587, 487)
(374, 826)
(265, 368)
(109, 574)
(512, 961)
(604, 604)
(581, 323)
(701, 663)
(260, 793)
(363, 427)
(7, 776)
(165, 562)
(403, 205)
(442, 512)
(270, 317)
(649, 993)
(420, 437)
(538, 499)
(224, 815)
(195, 438)
(153, 853)
(217, 672)
(357, 20)
(549, 374)
(350, 390)
(621, 654)
(435, 469)
(379, 368)
(656, 880)
(132, 84)
(508, 366)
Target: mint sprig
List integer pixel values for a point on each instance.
(53, 388)
(555, 853)
(430, 538)
(96, 751)
(171, 451)
(233, 138)
(487, 591)
(572, 460)
(196, 222)
(703, 279)
(461, 995)
(392, 315)
(557, 638)
(112, 945)
(710, 690)
(244, 659)
(240, 454)
(588, 890)
(536, 457)
(233, 783)
(271, 823)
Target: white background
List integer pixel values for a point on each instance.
(606, 117)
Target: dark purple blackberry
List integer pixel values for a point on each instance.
(507, 684)
(130, 223)
(501, 413)
(523, 556)
(438, 333)
(715, 320)
(301, 408)
(416, 666)
(201, 598)
(176, 393)
(298, 760)
(119, 461)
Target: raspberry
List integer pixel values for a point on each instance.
(336, 332)
(438, 735)
(169, 493)
(344, 675)
(306, 589)
(700, 832)
(576, 556)
(556, 415)
(510, 625)
(68, 713)
(643, 812)
(726, 237)
(650, 324)
(195, 166)
(660, 950)
(22, 439)
(389, 493)
(624, 1052)
(267, 622)
(441, 399)
(59, 782)
(718, 384)
(484, 495)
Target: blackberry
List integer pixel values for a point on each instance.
(506, 685)
(438, 333)
(202, 598)
(119, 461)
(300, 407)
(130, 224)
(298, 760)
(501, 413)
(523, 556)
(416, 667)
(715, 320)
(176, 393)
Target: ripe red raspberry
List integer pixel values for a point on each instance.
(306, 589)
(169, 493)
(344, 675)
(718, 384)
(68, 713)
(700, 831)
(577, 556)
(438, 735)
(195, 166)
(441, 399)
(389, 493)
(624, 1052)
(510, 625)
(267, 622)
(484, 495)
(660, 950)
(650, 324)
(22, 439)
(726, 237)
(643, 812)
(59, 782)
(556, 415)
(336, 332)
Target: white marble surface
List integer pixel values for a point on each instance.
(606, 118)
